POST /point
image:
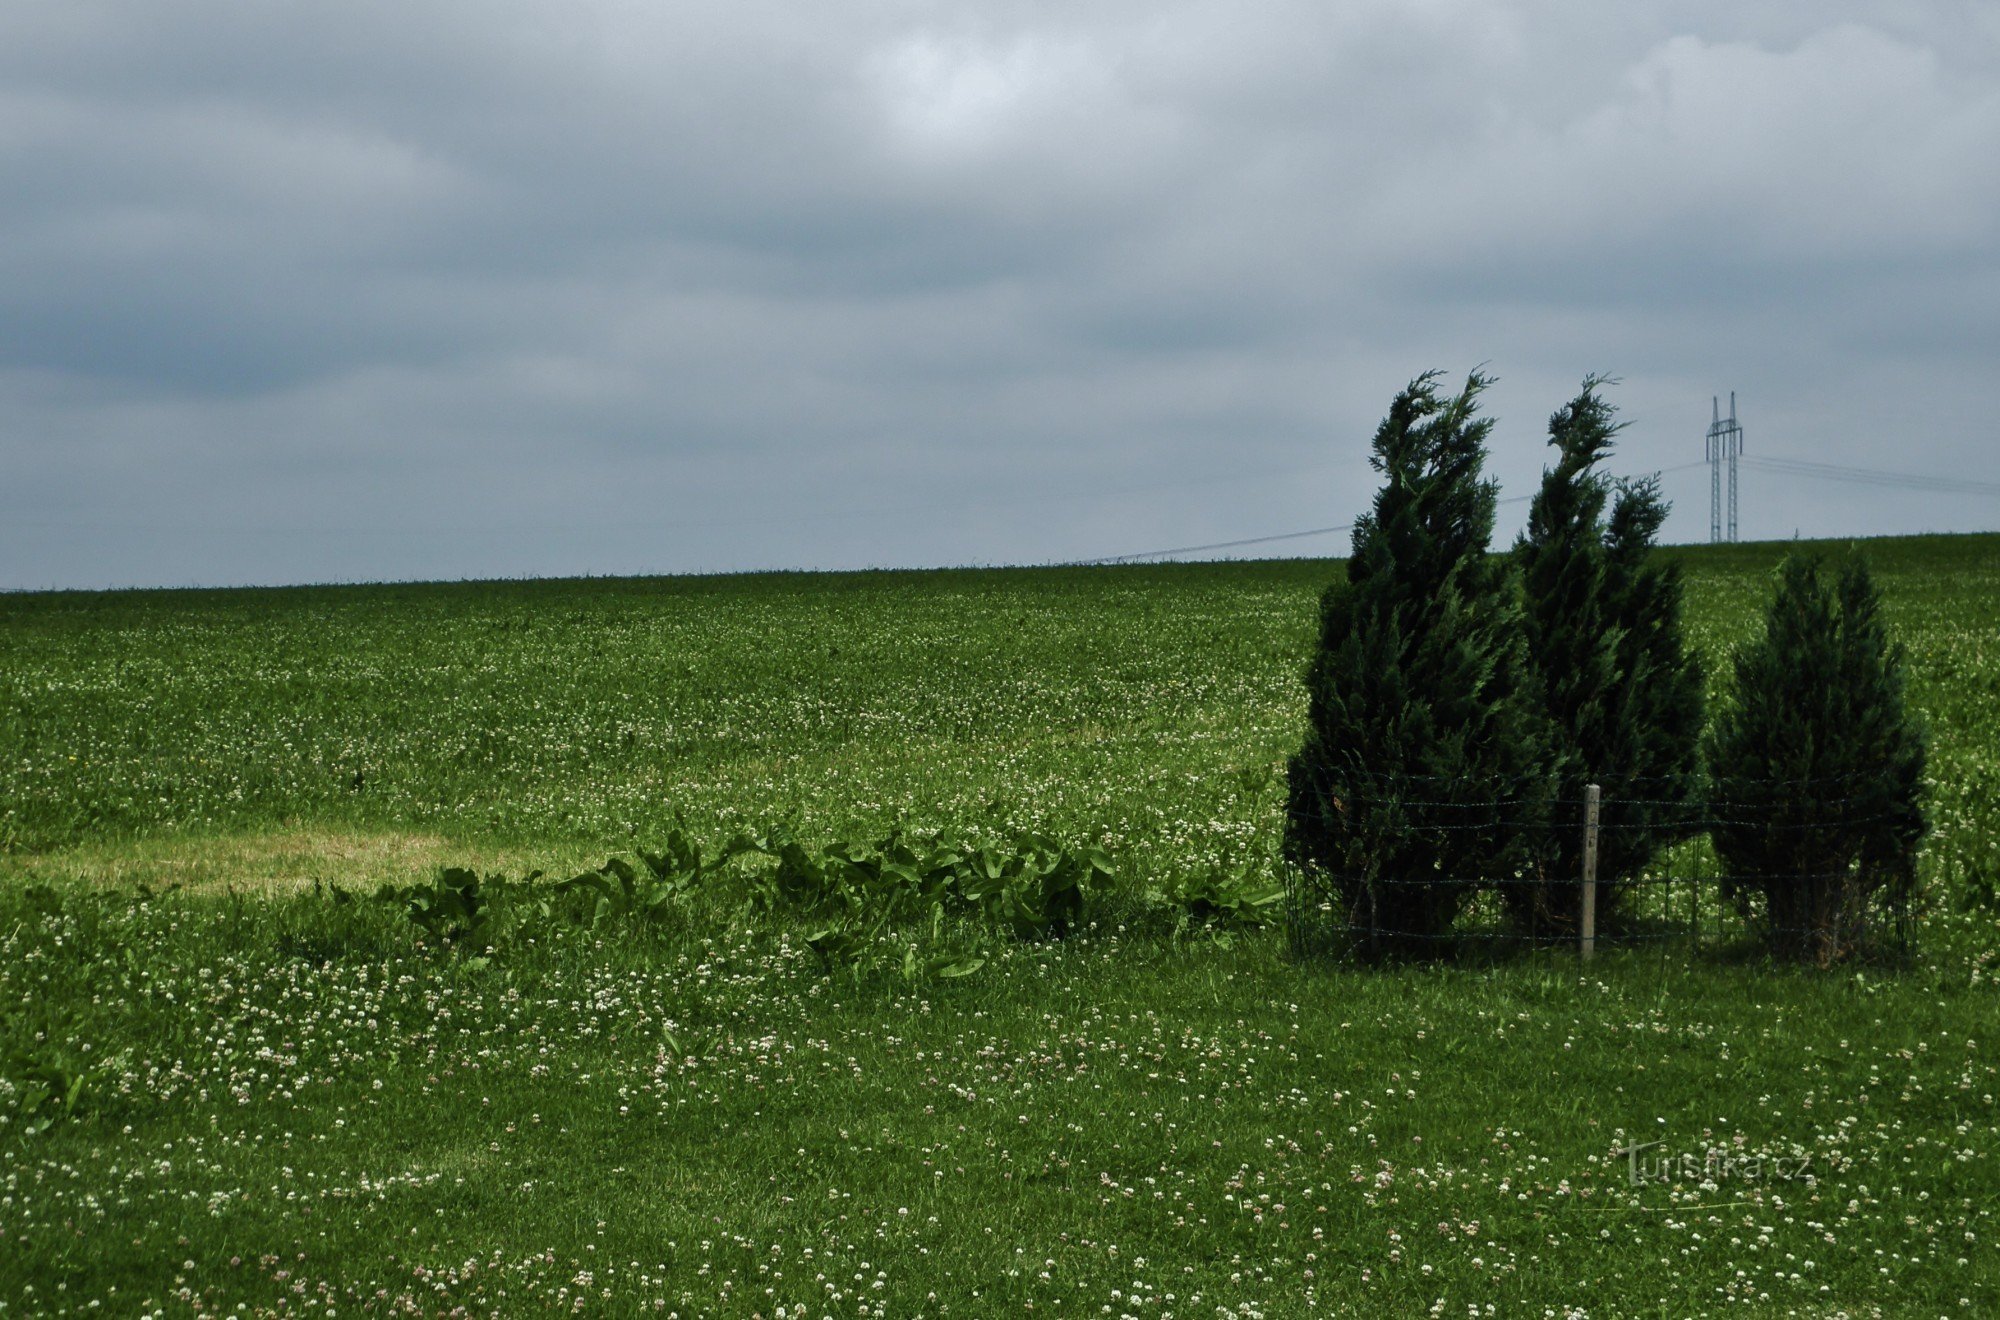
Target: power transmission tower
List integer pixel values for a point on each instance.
(1725, 445)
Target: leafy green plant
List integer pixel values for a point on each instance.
(678, 866)
(47, 1088)
(692, 1043)
(942, 966)
(618, 892)
(796, 878)
(455, 909)
(1227, 898)
(1033, 888)
(1036, 890)
(622, 893)
(839, 946)
(43, 900)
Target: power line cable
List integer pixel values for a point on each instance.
(1213, 545)
(1231, 545)
(1798, 467)
(1789, 466)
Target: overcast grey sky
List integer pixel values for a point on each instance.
(306, 292)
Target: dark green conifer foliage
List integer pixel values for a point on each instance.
(1422, 720)
(1662, 704)
(1624, 696)
(1818, 766)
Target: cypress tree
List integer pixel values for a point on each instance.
(1623, 695)
(1655, 760)
(1818, 766)
(1424, 765)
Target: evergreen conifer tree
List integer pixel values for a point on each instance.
(1624, 697)
(1655, 760)
(1424, 766)
(1817, 766)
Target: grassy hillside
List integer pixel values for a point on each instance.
(248, 1095)
(1147, 707)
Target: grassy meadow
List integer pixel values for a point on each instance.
(232, 1082)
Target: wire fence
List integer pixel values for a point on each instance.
(1421, 866)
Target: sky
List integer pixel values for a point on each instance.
(497, 288)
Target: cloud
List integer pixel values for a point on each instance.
(730, 285)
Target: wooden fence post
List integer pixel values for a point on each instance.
(1589, 925)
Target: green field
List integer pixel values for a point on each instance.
(289, 1102)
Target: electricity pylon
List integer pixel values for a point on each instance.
(1725, 445)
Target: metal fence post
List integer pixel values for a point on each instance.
(1589, 924)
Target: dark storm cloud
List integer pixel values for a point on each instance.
(354, 291)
